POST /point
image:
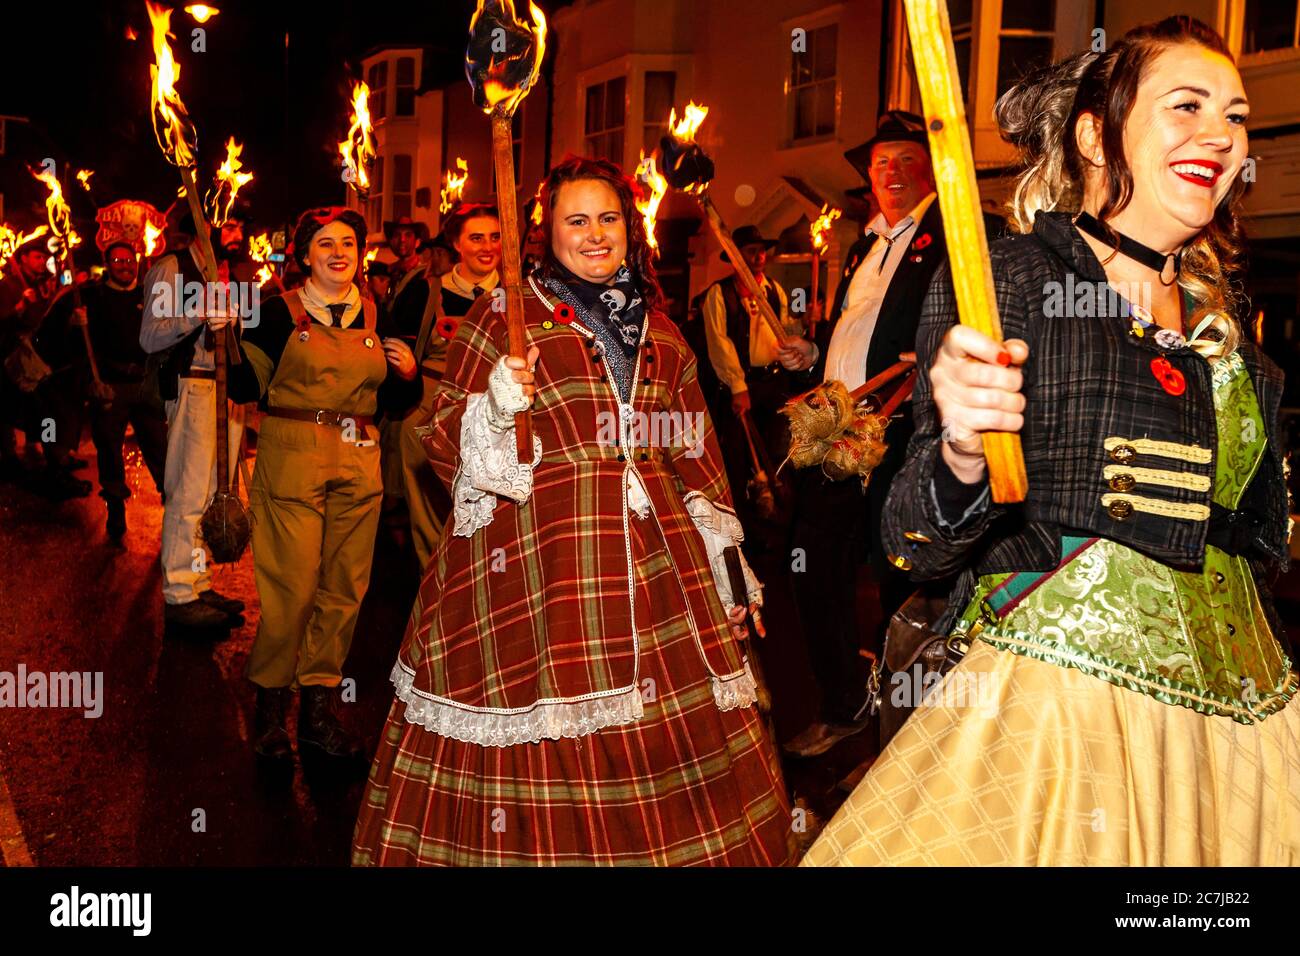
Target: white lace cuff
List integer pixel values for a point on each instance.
(721, 529)
(489, 468)
(505, 397)
(637, 499)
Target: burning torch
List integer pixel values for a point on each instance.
(654, 187)
(224, 524)
(453, 186)
(688, 168)
(968, 251)
(820, 233)
(63, 239)
(502, 61)
(358, 150)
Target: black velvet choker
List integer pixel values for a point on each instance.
(1159, 262)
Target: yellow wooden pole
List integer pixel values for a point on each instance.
(963, 221)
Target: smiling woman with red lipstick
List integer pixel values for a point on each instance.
(1125, 696)
(570, 691)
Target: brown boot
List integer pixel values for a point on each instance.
(271, 739)
(319, 725)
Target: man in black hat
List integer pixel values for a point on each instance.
(409, 291)
(758, 373)
(873, 324)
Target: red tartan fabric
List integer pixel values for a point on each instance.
(537, 605)
(687, 784)
(590, 603)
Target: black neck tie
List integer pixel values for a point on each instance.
(338, 310)
(478, 291)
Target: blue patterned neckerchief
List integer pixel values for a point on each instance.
(614, 313)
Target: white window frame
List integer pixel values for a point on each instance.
(634, 67)
(823, 17)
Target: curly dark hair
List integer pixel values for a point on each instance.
(640, 257)
(314, 220)
(1038, 116)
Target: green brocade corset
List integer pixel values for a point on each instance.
(1199, 639)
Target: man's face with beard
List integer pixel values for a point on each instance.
(121, 264)
(232, 239)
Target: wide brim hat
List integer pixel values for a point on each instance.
(894, 126)
(748, 236)
(421, 229)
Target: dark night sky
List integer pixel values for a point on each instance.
(70, 68)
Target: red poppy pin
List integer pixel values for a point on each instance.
(447, 328)
(1170, 379)
(922, 241)
(564, 313)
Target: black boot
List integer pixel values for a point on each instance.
(116, 525)
(319, 726)
(272, 739)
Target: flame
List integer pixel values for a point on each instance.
(684, 130)
(453, 186)
(63, 238)
(358, 150)
(655, 185)
(171, 123)
(152, 239)
(131, 34)
(83, 177)
(259, 250)
(502, 78)
(820, 230)
(201, 12)
(221, 197)
(11, 242)
(538, 213)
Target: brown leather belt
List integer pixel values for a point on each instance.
(205, 373)
(321, 416)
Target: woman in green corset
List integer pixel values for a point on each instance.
(1126, 697)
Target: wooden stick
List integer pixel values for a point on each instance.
(742, 269)
(963, 220)
(504, 161)
(209, 267)
(811, 321)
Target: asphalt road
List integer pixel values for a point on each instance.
(165, 774)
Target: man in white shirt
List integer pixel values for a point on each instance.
(759, 372)
(873, 323)
(178, 325)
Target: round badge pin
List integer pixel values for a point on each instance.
(563, 313)
(547, 324)
(447, 328)
(1170, 339)
(370, 343)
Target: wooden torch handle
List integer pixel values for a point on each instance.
(729, 246)
(504, 161)
(954, 168)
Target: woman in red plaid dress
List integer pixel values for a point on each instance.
(571, 690)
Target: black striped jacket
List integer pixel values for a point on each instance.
(1102, 437)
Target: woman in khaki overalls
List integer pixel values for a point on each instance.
(322, 374)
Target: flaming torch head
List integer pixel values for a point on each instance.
(221, 197)
(63, 238)
(171, 123)
(820, 230)
(358, 150)
(152, 239)
(453, 186)
(653, 186)
(504, 54)
(259, 250)
(685, 165)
